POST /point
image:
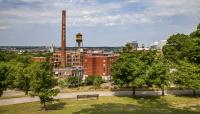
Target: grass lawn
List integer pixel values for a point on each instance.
(112, 105)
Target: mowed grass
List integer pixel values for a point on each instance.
(111, 105)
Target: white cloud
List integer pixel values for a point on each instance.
(132, 1)
(174, 7)
(4, 27)
(93, 13)
(177, 3)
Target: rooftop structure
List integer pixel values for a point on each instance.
(79, 39)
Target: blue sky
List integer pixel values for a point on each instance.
(102, 22)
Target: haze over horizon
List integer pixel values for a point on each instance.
(102, 22)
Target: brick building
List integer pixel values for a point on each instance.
(73, 58)
(98, 64)
(91, 62)
(68, 72)
(39, 59)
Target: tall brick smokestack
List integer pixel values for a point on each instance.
(63, 40)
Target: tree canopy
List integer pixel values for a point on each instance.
(130, 69)
(184, 52)
(158, 74)
(42, 84)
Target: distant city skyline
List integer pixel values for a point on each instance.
(102, 22)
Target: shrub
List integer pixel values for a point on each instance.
(73, 81)
(97, 82)
(90, 79)
(62, 83)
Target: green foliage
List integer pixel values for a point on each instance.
(195, 34)
(195, 53)
(24, 76)
(19, 73)
(97, 82)
(187, 75)
(130, 68)
(6, 56)
(198, 27)
(19, 70)
(41, 54)
(13, 73)
(127, 48)
(184, 52)
(90, 79)
(158, 74)
(15, 70)
(24, 59)
(42, 83)
(3, 73)
(183, 47)
(178, 47)
(62, 83)
(72, 81)
(146, 57)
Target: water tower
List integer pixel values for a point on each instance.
(79, 39)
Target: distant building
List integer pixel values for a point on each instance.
(158, 45)
(143, 48)
(92, 62)
(73, 58)
(133, 44)
(39, 59)
(98, 64)
(51, 49)
(154, 46)
(68, 72)
(80, 62)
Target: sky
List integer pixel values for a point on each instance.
(102, 22)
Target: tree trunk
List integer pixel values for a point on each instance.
(26, 92)
(133, 91)
(163, 92)
(194, 92)
(26, 88)
(44, 105)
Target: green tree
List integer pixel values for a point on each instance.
(20, 72)
(187, 76)
(3, 73)
(42, 84)
(194, 55)
(183, 47)
(158, 74)
(195, 52)
(24, 76)
(128, 70)
(97, 82)
(178, 47)
(10, 75)
(6, 56)
(184, 52)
